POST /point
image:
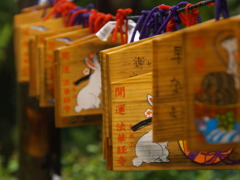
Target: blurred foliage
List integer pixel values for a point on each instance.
(8, 159)
(81, 147)
(9, 172)
(6, 14)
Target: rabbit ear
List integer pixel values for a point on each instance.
(89, 63)
(150, 99)
(95, 59)
(229, 43)
(95, 56)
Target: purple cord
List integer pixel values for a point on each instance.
(150, 25)
(177, 21)
(36, 2)
(173, 13)
(221, 8)
(157, 21)
(89, 6)
(80, 19)
(142, 32)
(71, 13)
(160, 19)
(139, 22)
(51, 2)
(154, 22)
(199, 19)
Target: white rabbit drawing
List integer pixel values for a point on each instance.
(149, 152)
(88, 97)
(231, 46)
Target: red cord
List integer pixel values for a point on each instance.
(92, 18)
(63, 7)
(120, 16)
(163, 6)
(98, 23)
(211, 4)
(70, 23)
(97, 20)
(187, 20)
(191, 17)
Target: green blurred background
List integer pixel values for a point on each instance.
(81, 156)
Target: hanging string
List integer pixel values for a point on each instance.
(97, 20)
(159, 17)
(192, 16)
(101, 20)
(61, 8)
(155, 22)
(73, 17)
(221, 8)
(149, 22)
(57, 3)
(120, 16)
(174, 22)
(152, 20)
(173, 16)
(92, 18)
(197, 5)
(139, 22)
(142, 32)
(80, 16)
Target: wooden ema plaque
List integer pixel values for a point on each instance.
(136, 60)
(29, 17)
(133, 148)
(168, 86)
(107, 90)
(33, 8)
(22, 35)
(36, 54)
(47, 63)
(32, 66)
(78, 85)
(91, 36)
(213, 97)
(105, 124)
(205, 70)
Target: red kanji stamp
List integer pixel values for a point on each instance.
(122, 160)
(120, 92)
(121, 126)
(66, 69)
(121, 138)
(120, 109)
(65, 55)
(121, 150)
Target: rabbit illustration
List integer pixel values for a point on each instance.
(146, 150)
(231, 46)
(88, 97)
(150, 152)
